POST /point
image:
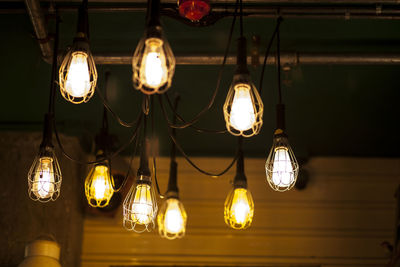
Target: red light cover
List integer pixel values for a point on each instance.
(194, 9)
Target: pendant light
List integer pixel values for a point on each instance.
(172, 216)
(78, 74)
(140, 205)
(44, 177)
(153, 62)
(281, 166)
(243, 108)
(99, 183)
(239, 205)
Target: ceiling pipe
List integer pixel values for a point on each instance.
(287, 58)
(36, 15)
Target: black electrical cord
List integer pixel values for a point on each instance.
(278, 57)
(271, 40)
(152, 146)
(241, 18)
(213, 97)
(179, 147)
(197, 129)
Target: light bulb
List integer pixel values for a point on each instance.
(172, 219)
(140, 206)
(243, 108)
(153, 72)
(78, 74)
(153, 65)
(242, 113)
(98, 186)
(43, 184)
(78, 77)
(281, 165)
(239, 208)
(44, 177)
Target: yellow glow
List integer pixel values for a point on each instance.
(174, 221)
(43, 183)
(239, 209)
(98, 186)
(78, 78)
(282, 174)
(153, 70)
(142, 207)
(242, 115)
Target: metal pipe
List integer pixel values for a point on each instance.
(35, 13)
(287, 58)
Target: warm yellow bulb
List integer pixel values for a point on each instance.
(43, 182)
(242, 115)
(172, 219)
(282, 174)
(78, 77)
(239, 209)
(98, 186)
(153, 70)
(142, 206)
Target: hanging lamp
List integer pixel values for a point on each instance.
(239, 205)
(99, 183)
(243, 108)
(44, 177)
(78, 74)
(281, 166)
(140, 205)
(153, 63)
(172, 216)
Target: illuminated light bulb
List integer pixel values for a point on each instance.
(243, 108)
(140, 206)
(44, 177)
(153, 70)
(239, 208)
(281, 165)
(172, 219)
(78, 74)
(43, 183)
(99, 186)
(153, 65)
(78, 77)
(242, 115)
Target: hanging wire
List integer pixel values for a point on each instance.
(152, 147)
(187, 157)
(113, 113)
(112, 155)
(241, 18)
(278, 57)
(54, 66)
(197, 129)
(271, 40)
(213, 97)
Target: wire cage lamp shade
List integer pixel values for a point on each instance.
(78, 74)
(44, 177)
(99, 187)
(172, 219)
(243, 108)
(140, 206)
(281, 166)
(153, 64)
(239, 208)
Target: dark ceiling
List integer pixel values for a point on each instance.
(332, 110)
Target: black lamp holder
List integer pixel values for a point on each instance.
(173, 191)
(49, 116)
(241, 59)
(143, 173)
(153, 24)
(240, 180)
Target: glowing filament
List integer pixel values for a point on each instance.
(98, 186)
(282, 174)
(78, 76)
(242, 115)
(239, 209)
(43, 183)
(142, 207)
(153, 71)
(174, 221)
